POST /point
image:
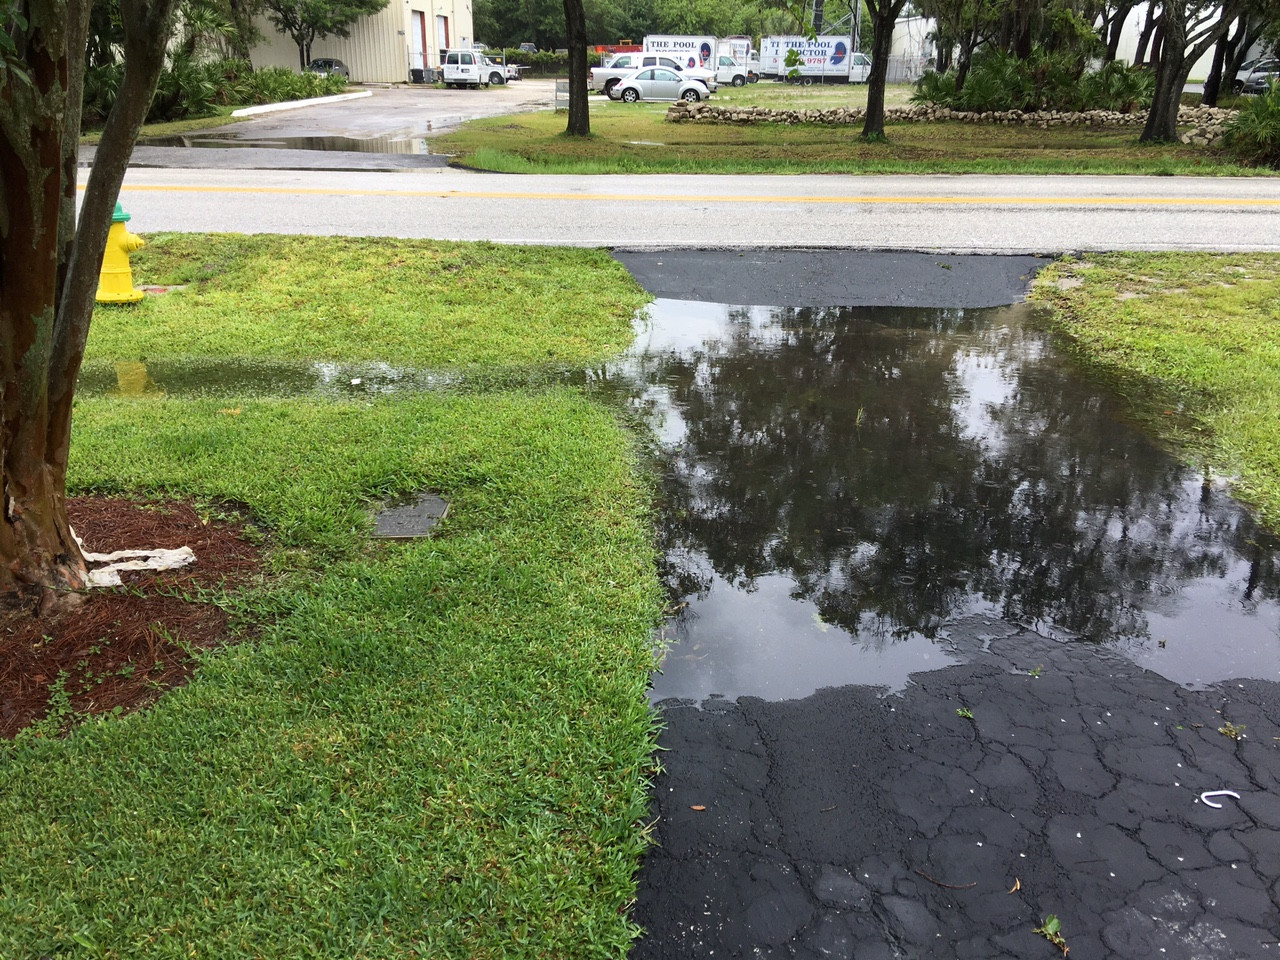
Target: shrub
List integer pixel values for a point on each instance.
(100, 87)
(999, 81)
(278, 84)
(184, 90)
(1120, 87)
(1253, 135)
(190, 89)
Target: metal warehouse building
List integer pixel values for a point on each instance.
(384, 47)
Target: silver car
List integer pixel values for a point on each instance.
(659, 83)
(327, 65)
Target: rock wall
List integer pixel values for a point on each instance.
(1207, 123)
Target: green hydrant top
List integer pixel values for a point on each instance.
(119, 216)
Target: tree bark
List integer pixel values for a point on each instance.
(884, 14)
(575, 19)
(49, 267)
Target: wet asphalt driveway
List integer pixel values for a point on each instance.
(1073, 677)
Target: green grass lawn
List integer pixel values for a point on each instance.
(636, 138)
(438, 748)
(1194, 341)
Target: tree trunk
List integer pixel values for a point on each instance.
(1178, 55)
(575, 20)
(242, 20)
(1144, 38)
(1213, 83)
(1116, 29)
(964, 61)
(884, 14)
(1243, 42)
(49, 268)
(1025, 12)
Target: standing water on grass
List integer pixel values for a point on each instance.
(856, 495)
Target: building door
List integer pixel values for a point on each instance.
(442, 33)
(418, 41)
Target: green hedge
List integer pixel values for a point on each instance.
(543, 63)
(188, 89)
(999, 81)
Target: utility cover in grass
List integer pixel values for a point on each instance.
(411, 518)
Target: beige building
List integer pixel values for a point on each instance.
(384, 47)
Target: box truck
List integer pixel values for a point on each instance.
(705, 52)
(822, 60)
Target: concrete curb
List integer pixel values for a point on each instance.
(291, 104)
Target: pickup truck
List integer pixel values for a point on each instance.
(604, 79)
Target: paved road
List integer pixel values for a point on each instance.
(948, 213)
(404, 190)
(385, 129)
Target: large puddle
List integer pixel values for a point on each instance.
(231, 141)
(856, 495)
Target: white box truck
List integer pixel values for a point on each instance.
(822, 60)
(705, 52)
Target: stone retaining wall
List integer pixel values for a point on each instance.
(1207, 123)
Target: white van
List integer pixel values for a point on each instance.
(471, 68)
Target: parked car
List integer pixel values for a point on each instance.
(529, 47)
(1260, 79)
(327, 65)
(659, 83)
(606, 78)
(1249, 67)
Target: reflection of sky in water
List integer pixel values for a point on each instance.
(768, 643)
(1042, 508)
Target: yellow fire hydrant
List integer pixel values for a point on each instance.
(115, 282)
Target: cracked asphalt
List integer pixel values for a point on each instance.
(850, 824)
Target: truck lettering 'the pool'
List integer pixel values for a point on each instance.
(706, 52)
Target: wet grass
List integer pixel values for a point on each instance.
(438, 748)
(445, 305)
(1194, 341)
(173, 128)
(636, 138)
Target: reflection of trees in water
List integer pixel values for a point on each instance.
(896, 471)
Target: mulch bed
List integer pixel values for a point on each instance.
(124, 646)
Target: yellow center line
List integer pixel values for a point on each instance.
(681, 198)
